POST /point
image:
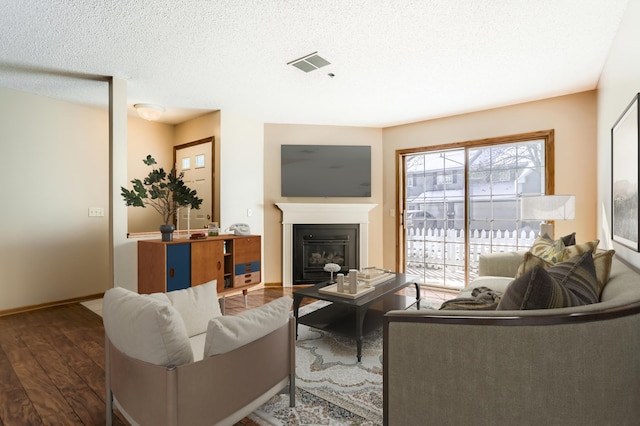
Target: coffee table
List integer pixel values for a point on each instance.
(354, 317)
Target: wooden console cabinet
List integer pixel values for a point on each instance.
(234, 261)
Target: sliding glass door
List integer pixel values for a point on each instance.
(459, 203)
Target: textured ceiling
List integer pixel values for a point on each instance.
(394, 61)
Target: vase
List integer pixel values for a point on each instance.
(167, 232)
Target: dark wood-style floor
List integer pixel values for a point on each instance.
(52, 364)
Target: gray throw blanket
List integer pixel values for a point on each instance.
(483, 298)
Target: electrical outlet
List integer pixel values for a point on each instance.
(249, 212)
(96, 212)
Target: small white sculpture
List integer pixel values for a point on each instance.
(332, 267)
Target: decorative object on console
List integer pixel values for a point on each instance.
(548, 207)
(213, 229)
(163, 191)
(239, 229)
(625, 136)
(332, 267)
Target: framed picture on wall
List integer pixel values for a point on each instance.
(624, 177)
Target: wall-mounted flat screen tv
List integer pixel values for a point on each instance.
(325, 171)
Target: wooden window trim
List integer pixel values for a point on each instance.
(547, 135)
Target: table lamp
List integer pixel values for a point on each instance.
(546, 208)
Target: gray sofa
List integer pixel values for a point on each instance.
(566, 366)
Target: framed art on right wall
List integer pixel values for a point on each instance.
(624, 177)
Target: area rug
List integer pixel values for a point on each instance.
(333, 388)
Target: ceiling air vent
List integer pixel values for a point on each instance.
(309, 62)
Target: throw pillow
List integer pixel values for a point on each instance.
(549, 250)
(530, 261)
(602, 262)
(570, 283)
(578, 275)
(577, 249)
(534, 290)
(197, 305)
(230, 332)
(569, 239)
(146, 327)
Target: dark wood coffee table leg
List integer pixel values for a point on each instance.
(296, 309)
(360, 314)
(417, 295)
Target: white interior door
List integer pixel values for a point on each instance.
(196, 163)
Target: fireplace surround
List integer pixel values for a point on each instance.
(322, 213)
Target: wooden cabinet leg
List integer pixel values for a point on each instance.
(246, 298)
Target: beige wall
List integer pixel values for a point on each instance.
(276, 135)
(55, 166)
(158, 139)
(146, 138)
(573, 118)
(619, 83)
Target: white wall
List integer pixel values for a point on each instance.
(55, 165)
(242, 171)
(619, 83)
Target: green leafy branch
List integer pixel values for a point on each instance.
(163, 191)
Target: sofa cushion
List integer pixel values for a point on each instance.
(566, 284)
(197, 305)
(498, 284)
(146, 327)
(229, 332)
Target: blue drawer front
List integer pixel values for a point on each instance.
(247, 268)
(178, 266)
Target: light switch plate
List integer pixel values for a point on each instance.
(96, 212)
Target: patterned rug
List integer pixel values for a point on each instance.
(332, 387)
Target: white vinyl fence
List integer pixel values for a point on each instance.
(426, 249)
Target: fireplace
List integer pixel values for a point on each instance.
(315, 245)
(322, 213)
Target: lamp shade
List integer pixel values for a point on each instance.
(548, 207)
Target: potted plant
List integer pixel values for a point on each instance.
(163, 191)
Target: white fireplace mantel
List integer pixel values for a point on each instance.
(319, 213)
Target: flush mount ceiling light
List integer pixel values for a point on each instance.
(309, 62)
(149, 112)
